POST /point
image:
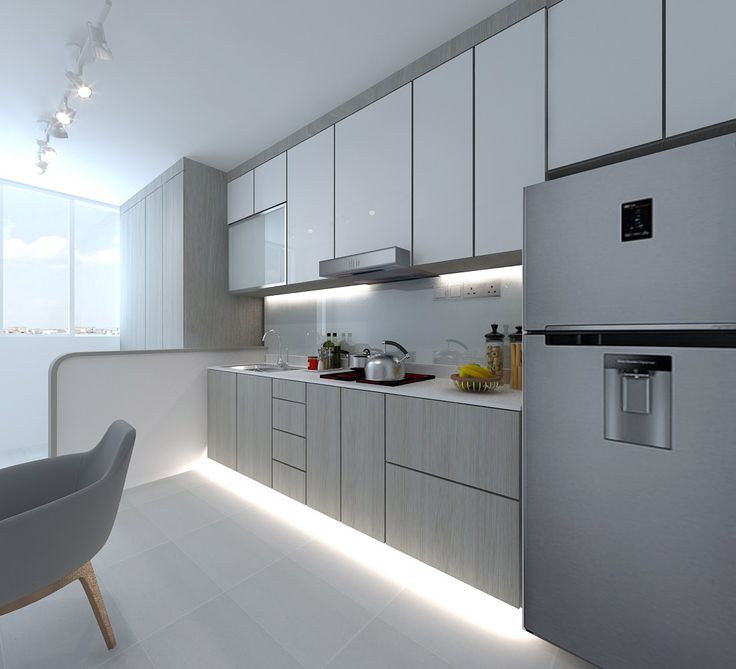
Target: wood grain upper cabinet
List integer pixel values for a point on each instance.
(509, 131)
(311, 216)
(133, 271)
(173, 263)
(240, 197)
(270, 183)
(373, 176)
(221, 421)
(254, 427)
(443, 162)
(154, 269)
(701, 60)
(604, 77)
(363, 461)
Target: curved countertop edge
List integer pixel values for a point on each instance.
(57, 362)
(438, 389)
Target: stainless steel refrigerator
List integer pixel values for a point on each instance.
(630, 410)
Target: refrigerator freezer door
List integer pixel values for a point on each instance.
(629, 551)
(647, 241)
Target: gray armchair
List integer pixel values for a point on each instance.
(55, 515)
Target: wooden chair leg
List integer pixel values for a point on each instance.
(92, 589)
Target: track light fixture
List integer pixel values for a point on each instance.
(57, 130)
(94, 48)
(65, 114)
(82, 89)
(46, 153)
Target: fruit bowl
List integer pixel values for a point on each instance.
(469, 384)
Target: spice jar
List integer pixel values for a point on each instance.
(516, 361)
(494, 352)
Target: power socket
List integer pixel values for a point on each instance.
(481, 289)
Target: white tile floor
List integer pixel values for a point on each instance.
(196, 577)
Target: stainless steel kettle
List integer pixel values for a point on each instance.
(386, 367)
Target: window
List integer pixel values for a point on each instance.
(60, 264)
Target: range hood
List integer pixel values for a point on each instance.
(390, 264)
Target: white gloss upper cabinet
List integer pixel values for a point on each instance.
(509, 131)
(270, 183)
(604, 77)
(373, 176)
(240, 197)
(310, 216)
(443, 162)
(701, 61)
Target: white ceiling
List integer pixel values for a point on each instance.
(215, 81)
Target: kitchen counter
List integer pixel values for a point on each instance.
(441, 389)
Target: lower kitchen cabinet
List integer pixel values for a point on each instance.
(363, 461)
(289, 481)
(467, 533)
(477, 446)
(221, 422)
(254, 427)
(323, 449)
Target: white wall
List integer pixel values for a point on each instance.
(24, 373)
(162, 394)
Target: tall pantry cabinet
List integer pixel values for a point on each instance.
(174, 266)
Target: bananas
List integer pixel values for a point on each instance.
(475, 372)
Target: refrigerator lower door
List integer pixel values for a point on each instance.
(630, 549)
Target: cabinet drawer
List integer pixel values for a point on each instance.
(289, 417)
(290, 449)
(467, 533)
(294, 391)
(475, 446)
(289, 481)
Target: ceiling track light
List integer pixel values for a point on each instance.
(79, 86)
(65, 114)
(94, 48)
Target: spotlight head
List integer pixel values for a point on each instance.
(57, 130)
(81, 87)
(100, 48)
(40, 167)
(65, 114)
(46, 153)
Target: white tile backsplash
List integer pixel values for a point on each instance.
(405, 311)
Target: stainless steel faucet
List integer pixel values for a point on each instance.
(280, 362)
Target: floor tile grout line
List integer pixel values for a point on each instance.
(223, 591)
(375, 617)
(264, 630)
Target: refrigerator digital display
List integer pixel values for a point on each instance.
(637, 220)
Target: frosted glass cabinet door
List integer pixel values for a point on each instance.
(270, 183)
(443, 162)
(311, 222)
(373, 176)
(240, 197)
(256, 249)
(509, 131)
(701, 61)
(605, 77)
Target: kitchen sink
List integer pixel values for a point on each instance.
(263, 367)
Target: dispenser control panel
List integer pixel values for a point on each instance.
(637, 220)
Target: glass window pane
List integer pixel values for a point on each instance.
(96, 269)
(35, 262)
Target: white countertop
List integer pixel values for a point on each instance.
(441, 389)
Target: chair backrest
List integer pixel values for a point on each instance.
(111, 454)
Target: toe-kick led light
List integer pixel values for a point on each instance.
(435, 587)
